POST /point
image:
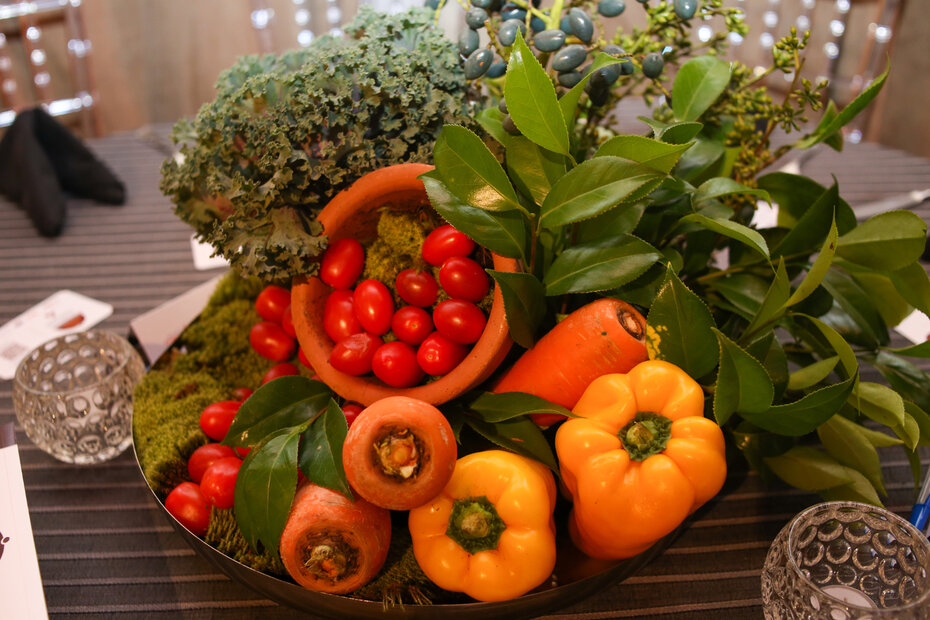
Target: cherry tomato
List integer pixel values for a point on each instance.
(412, 324)
(463, 278)
(272, 302)
(284, 369)
(302, 358)
(351, 410)
(241, 393)
(444, 242)
(204, 456)
(242, 452)
(374, 306)
(339, 320)
(342, 263)
(216, 418)
(438, 355)
(287, 322)
(271, 341)
(417, 288)
(189, 506)
(458, 320)
(353, 355)
(219, 481)
(395, 363)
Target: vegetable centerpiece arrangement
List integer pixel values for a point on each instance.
(654, 324)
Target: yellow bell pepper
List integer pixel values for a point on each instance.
(639, 459)
(490, 532)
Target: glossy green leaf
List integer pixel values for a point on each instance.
(471, 172)
(621, 220)
(795, 194)
(843, 441)
(879, 403)
(805, 415)
(532, 102)
(921, 419)
(599, 265)
(733, 230)
(508, 405)
(593, 187)
(743, 385)
(830, 112)
(698, 84)
(679, 329)
(813, 226)
(524, 304)
(723, 186)
(807, 468)
(745, 291)
(680, 133)
(320, 455)
(913, 284)
(878, 438)
(857, 304)
(568, 102)
(904, 377)
(702, 161)
(838, 343)
(279, 404)
(491, 120)
(894, 308)
(503, 232)
(888, 241)
(520, 435)
(812, 374)
(534, 167)
(831, 124)
(265, 487)
(909, 431)
(921, 350)
(858, 490)
(773, 305)
(659, 156)
(818, 269)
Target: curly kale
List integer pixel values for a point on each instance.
(286, 133)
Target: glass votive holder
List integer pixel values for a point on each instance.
(845, 561)
(73, 395)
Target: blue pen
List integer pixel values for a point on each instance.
(920, 515)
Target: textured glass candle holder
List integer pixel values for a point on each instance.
(844, 561)
(73, 395)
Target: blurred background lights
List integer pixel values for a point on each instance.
(33, 33)
(261, 18)
(831, 49)
(305, 38)
(770, 19)
(837, 28)
(42, 79)
(842, 6)
(766, 40)
(808, 4)
(705, 33)
(882, 34)
(302, 17)
(735, 38)
(803, 22)
(37, 57)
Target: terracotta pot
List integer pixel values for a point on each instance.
(354, 213)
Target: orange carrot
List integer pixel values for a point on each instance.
(604, 336)
(332, 544)
(400, 453)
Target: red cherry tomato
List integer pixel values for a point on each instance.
(272, 302)
(204, 456)
(302, 358)
(243, 452)
(189, 506)
(216, 418)
(339, 320)
(395, 363)
(342, 263)
(241, 393)
(284, 369)
(353, 355)
(458, 320)
(351, 410)
(374, 306)
(417, 288)
(444, 242)
(219, 481)
(271, 341)
(463, 278)
(412, 325)
(438, 355)
(287, 322)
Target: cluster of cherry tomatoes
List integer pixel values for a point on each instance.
(429, 338)
(213, 467)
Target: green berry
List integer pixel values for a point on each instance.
(498, 68)
(481, 4)
(468, 42)
(508, 32)
(569, 57)
(509, 126)
(537, 24)
(475, 18)
(568, 79)
(626, 65)
(549, 40)
(565, 25)
(512, 11)
(433, 4)
(653, 65)
(685, 9)
(581, 25)
(478, 63)
(610, 8)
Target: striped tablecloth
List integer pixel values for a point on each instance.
(106, 549)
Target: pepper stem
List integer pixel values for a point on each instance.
(646, 434)
(474, 524)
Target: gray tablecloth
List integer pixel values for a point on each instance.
(107, 550)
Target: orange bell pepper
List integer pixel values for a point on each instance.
(639, 459)
(490, 532)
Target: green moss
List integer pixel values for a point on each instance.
(398, 245)
(225, 536)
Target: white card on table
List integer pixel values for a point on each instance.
(915, 327)
(203, 256)
(62, 313)
(20, 580)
